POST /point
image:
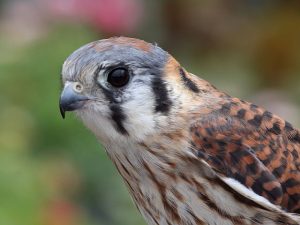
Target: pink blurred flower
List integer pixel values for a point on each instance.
(110, 16)
(61, 212)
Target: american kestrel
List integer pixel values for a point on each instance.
(188, 153)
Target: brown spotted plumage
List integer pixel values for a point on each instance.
(259, 149)
(188, 153)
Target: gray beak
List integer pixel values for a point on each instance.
(71, 98)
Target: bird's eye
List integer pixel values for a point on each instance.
(118, 77)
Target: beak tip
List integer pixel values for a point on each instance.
(62, 112)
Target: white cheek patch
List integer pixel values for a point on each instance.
(137, 105)
(139, 111)
(97, 119)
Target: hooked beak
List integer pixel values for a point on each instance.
(71, 98)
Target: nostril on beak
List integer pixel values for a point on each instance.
(77, 87)
(71, 98)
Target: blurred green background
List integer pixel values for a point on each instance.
(53, 172)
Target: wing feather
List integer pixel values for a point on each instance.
(253, 146)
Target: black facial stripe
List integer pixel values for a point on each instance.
(188, 82)
(117, 114)
(162, 100)
(118, 117)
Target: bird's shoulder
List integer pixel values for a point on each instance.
(260, 150)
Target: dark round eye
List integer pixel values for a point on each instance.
(118, 77)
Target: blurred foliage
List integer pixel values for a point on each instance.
(54, 172)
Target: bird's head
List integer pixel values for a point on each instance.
(124, 87)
